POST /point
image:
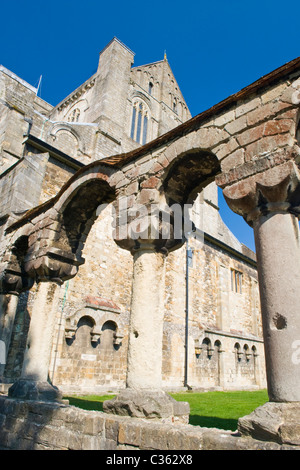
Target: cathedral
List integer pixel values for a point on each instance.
(212, 332)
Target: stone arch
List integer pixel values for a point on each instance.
(238, 353)
(81, 105)
(247, 353)
(98, 320)
(188, 174)
(78, 208)
(207, 347)
(139, 96)
(71, 142)
(108, 332)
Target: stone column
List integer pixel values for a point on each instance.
(143, 396)
(8, 307)
(33, 384)
(278, 255)
(146, 321)
(270, 203)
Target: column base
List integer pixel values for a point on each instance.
(26, 389)
(148, 404)
(277, 422)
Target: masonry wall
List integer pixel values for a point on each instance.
(225, 345)
(40, 426)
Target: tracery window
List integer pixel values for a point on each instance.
(74, 116)
(139, 123)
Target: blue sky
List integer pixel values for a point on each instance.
(214, 48)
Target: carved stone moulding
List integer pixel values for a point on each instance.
(14, 282)
(55, 265)
(276, 189)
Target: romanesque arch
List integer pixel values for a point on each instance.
(248, 144)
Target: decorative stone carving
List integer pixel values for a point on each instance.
(13, 277)
(275, 189)
(95, 334)
(100, 311)
(14, 281)
(55, 265)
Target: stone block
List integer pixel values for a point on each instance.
(130, 433)
(246, 107)
(146, 404)
(277, 422)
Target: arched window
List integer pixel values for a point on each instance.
(139, 123)
(218, 346)
(238, 353)
(108, 335)
(247, 353)
(150, 88)
(206, 346)
(74, 116)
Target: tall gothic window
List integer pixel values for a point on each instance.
(139, 123)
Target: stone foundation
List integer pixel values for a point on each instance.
(29, 425)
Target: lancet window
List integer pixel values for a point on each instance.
(139, 123)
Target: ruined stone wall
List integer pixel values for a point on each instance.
(40, 426)
(225, 348)
(80, 364)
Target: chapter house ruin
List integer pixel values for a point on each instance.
(117, 272)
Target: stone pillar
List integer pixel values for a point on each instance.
(143, 396)
(270, 203)
(278, 255)
(33, 384)
(8, 307)
(146, 320)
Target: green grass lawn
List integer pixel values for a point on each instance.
(209, 409)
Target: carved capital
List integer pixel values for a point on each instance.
(274, 190)
(54, 265)
(13, 277)
(14, 281)
(162, 228)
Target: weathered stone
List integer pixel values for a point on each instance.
(277, 422)
(150, 404)
(22, 433)
(185, 160)
(25, 389)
